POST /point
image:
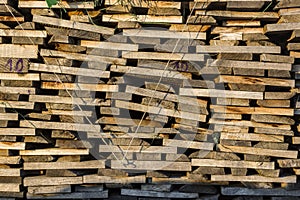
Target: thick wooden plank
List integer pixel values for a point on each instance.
(243, 15)
(18, 51)
(259, 151)
(232, 164)
(73, 195)
(49, 189)
(47, 181)
(220, 93)
(112, 179)
(139, 149)
(72, 25)
(259, 191)
(109, 45)
(254, 178)
(279, 28)
(11, 187)
(10, 160)
(175, 195)
(22, 33)
(148, 4)
(17, 131)
(80, 86)
(251, 137)
(142, 18)
(255, 81)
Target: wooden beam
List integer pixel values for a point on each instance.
(109, 45)
(254, 178)
(54, 151)
(111, 179)
(47, 181)
(181, 195)
(94, 164)
(252, 137)
(18, 51)
(142, 18)
(80, 86)
(61, 4)
(238, 49)
(188, 144)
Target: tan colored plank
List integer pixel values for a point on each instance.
(65, 165)
(62, 4)
(232, 164)
(54, 151)
(254, 178)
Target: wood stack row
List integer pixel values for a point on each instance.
(148, 99)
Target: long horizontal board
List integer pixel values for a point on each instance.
(242, 191)
(188, 144)
(243, 15)
(148, 4)
(17, 90)
(62, 4)
(238, 49)
(59, 126)
(72, 25)
(11, 187)
(255, 81)
(252, 110)
(163, 56)
(80, 86)
(43, 180)
(152, 165)
(20, 77)
(17, 131)
(159, 111)
(69, 70)
(22, 33)
(97, 164)
(254, 178)
(259, 151)
(111, 179)
(18, 51)
(138, 149)
(164, 34)
(220, 93)
(148, 72)
(54, 151)
(252, 137)
(283, 27)
(248, 64)
(232, 164)
(110, 45)
(173, 195)
(142, 18)
(8, 116)
(82, 57)
(16, 104)
(10, 160)
(12, 145)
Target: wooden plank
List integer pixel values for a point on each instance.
(18, 51)
(181, 195)
(49, 189)
(152, 165)
(72, 25)
(65, 165)
(62, 4)
(279, 28)
(80, 86)
(149, 4)
(259, 191)
(19, 77)
(248, 64)
(54, 151)
(142, 18)
(139, 149)
(255, 81)
(17, 131)
(12, 145)
(10, 160)
(238, 49)
(109, 45)
(251, 137)
(22, 33)
(289, 163)
(73, 195)
(259, 151)
(188, 144)
(220, 93)
(47, 181)
(244, 15)
(111, 179)
(159, 111)
(82, 57)
(163, 56)
(232, 164)
(253, 110)
(164, 34)
(11, 187)
(254, 178)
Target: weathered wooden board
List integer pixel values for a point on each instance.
(65, 165)
(232, 164)
(62, 4)
(254, 178)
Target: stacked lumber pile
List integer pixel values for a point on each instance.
(149, 99)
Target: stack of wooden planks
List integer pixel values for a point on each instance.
(142, 99)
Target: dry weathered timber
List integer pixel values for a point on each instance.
(259, 151)
(80, 86)
(142, 18)
(65, 165)
(251, 137)
(162, 56)
(64, 4)
(132, 192)
(232, 164)
(238, 49)
(254, 178)
(111, 179)
(72, 25)
(54, 151)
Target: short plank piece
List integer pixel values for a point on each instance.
(72, 25)
(254, 178)
(112, 179)
(289, 163)
(97, 164)
(43, 180)
(11, 187)
(18, 51)
(259, 151)
(73, 195)
(279, 28)
(49, 189)
(232, 164)
(152, 165)
(175, 195)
